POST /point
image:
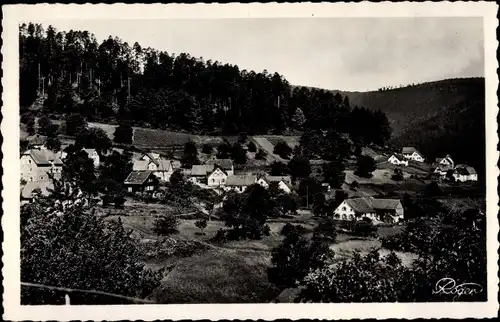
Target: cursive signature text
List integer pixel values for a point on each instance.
(449, 286)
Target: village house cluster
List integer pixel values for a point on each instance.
(149, 170)
(442, 168)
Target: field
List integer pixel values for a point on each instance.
(200, 271)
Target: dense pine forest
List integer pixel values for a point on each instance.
(113, 81)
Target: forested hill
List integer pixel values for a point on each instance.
(437, 117)
(414, 104)
(113, 81)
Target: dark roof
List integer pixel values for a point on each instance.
(44, 157)
(137, 177)
(241, 180)
(368, 204)
(386, 204)
(410, 150)
(466, 170)
(225, 164)
(361, 205)
(285, 179)
(471, 170)
(201, 169)
(143, 165)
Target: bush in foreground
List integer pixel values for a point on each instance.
(63, 242)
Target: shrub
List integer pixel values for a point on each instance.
(206, 148)
(201, 224)
(166, 224)
(59, 248)
(282, 149)
(295, 258)
(365, 166)
(397, 175)
(123, 133)
(289, 228)
(326, 229)
(364, 228)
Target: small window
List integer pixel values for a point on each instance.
(213, 180)
(344, 208)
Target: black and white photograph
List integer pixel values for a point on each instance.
(250, 159)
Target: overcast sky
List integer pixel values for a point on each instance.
(355, 54)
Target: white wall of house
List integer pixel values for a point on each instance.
(217, 178)
(344, 212)
(415, 157)
(284, 187)
(396, 161)
(238, 189)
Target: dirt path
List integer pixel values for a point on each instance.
(267, 146)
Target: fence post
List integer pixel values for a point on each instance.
(66, 299)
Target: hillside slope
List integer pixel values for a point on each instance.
(415, 104)
(438, 117)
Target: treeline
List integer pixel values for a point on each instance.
(114, 81)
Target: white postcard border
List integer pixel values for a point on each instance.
(13, 14)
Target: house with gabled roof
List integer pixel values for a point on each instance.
(161, 168)
(40, 165)
(377, 210)
(141, 181)
(150, 156)
(397, 159)
(226, 165)
(284, 182)
(199, 173)
(217, 178)
(411, 153)
(446, 161)
(240, 183)
(464, 172)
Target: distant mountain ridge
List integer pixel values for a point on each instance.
(440, 117)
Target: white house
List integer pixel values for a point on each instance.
(217, 178)
(39, 165)
(397, 159)
(446, 161)
(411, 153)
(378, 210)
(239, 183)
(162, 169)
(284, 182)
(465, 173)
